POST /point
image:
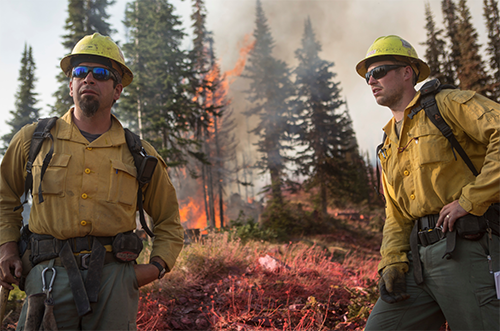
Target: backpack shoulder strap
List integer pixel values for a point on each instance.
(145, 165)
(42, 131)
(378, 167)
(428, 103)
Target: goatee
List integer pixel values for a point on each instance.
(89, 106)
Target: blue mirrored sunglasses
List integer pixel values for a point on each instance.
(98, 73)
(381, 71)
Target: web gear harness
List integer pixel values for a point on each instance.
(144, 163)
(469, 227)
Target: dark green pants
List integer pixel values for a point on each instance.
(460, 290)
(115, 310)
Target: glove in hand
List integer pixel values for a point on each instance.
(392, 284)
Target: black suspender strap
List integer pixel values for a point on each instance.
(145, 165)
(42, 131)
(430, 107)
(378, 167)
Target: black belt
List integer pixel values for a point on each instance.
(46, 247)
(82, 260)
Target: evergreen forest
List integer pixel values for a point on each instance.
(305, 147)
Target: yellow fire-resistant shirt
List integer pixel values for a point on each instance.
(88, 189)
(421, 174)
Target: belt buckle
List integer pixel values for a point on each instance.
(84, 261)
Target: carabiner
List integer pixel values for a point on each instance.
(45, 289)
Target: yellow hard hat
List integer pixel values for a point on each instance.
(398, 48)
(97, 46)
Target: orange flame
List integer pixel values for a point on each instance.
(246, 47)
(192, 209)
(193, 214)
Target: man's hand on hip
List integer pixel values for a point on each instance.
(11, 266)
(392, 284)
(449, 215)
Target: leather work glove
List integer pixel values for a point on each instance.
(392, 284)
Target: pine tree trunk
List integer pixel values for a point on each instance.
(204, 178)
(210, 184)
(219, 172)
(139, 104)
(324, 201)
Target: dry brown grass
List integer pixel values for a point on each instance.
(218, 284)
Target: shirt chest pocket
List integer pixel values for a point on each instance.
(429, 146)
(123, 183)
(54, 178)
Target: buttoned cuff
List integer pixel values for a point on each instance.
(472, 208)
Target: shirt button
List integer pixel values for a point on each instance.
(412, 196)
(84, 196)
(89, 148)
(406, 172)
(87, 171)
(83, 223)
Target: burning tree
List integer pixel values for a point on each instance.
(270, 93)
(211, 97)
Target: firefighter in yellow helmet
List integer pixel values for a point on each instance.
(80, 266)
(440, 247)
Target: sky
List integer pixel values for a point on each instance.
(345, 28)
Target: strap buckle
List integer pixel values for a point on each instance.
(84, 261)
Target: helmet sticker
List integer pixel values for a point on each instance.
(405, 43)
(371, 52)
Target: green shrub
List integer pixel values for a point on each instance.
(247, 229)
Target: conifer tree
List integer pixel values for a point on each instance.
(84, 17)
(471, 71)
(216, 144)
(25, 111)
(205, 79)
(269, 92)
(325, 132)
(452, 61)
(435, 52)
(199, 55)
(159, 102)
(493, 27)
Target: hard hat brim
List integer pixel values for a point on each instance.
(66, 67)
(423, 67)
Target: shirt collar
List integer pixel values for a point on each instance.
(389, 127)
(67, 130)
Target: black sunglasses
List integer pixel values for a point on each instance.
(381, 71)
(98, 73)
